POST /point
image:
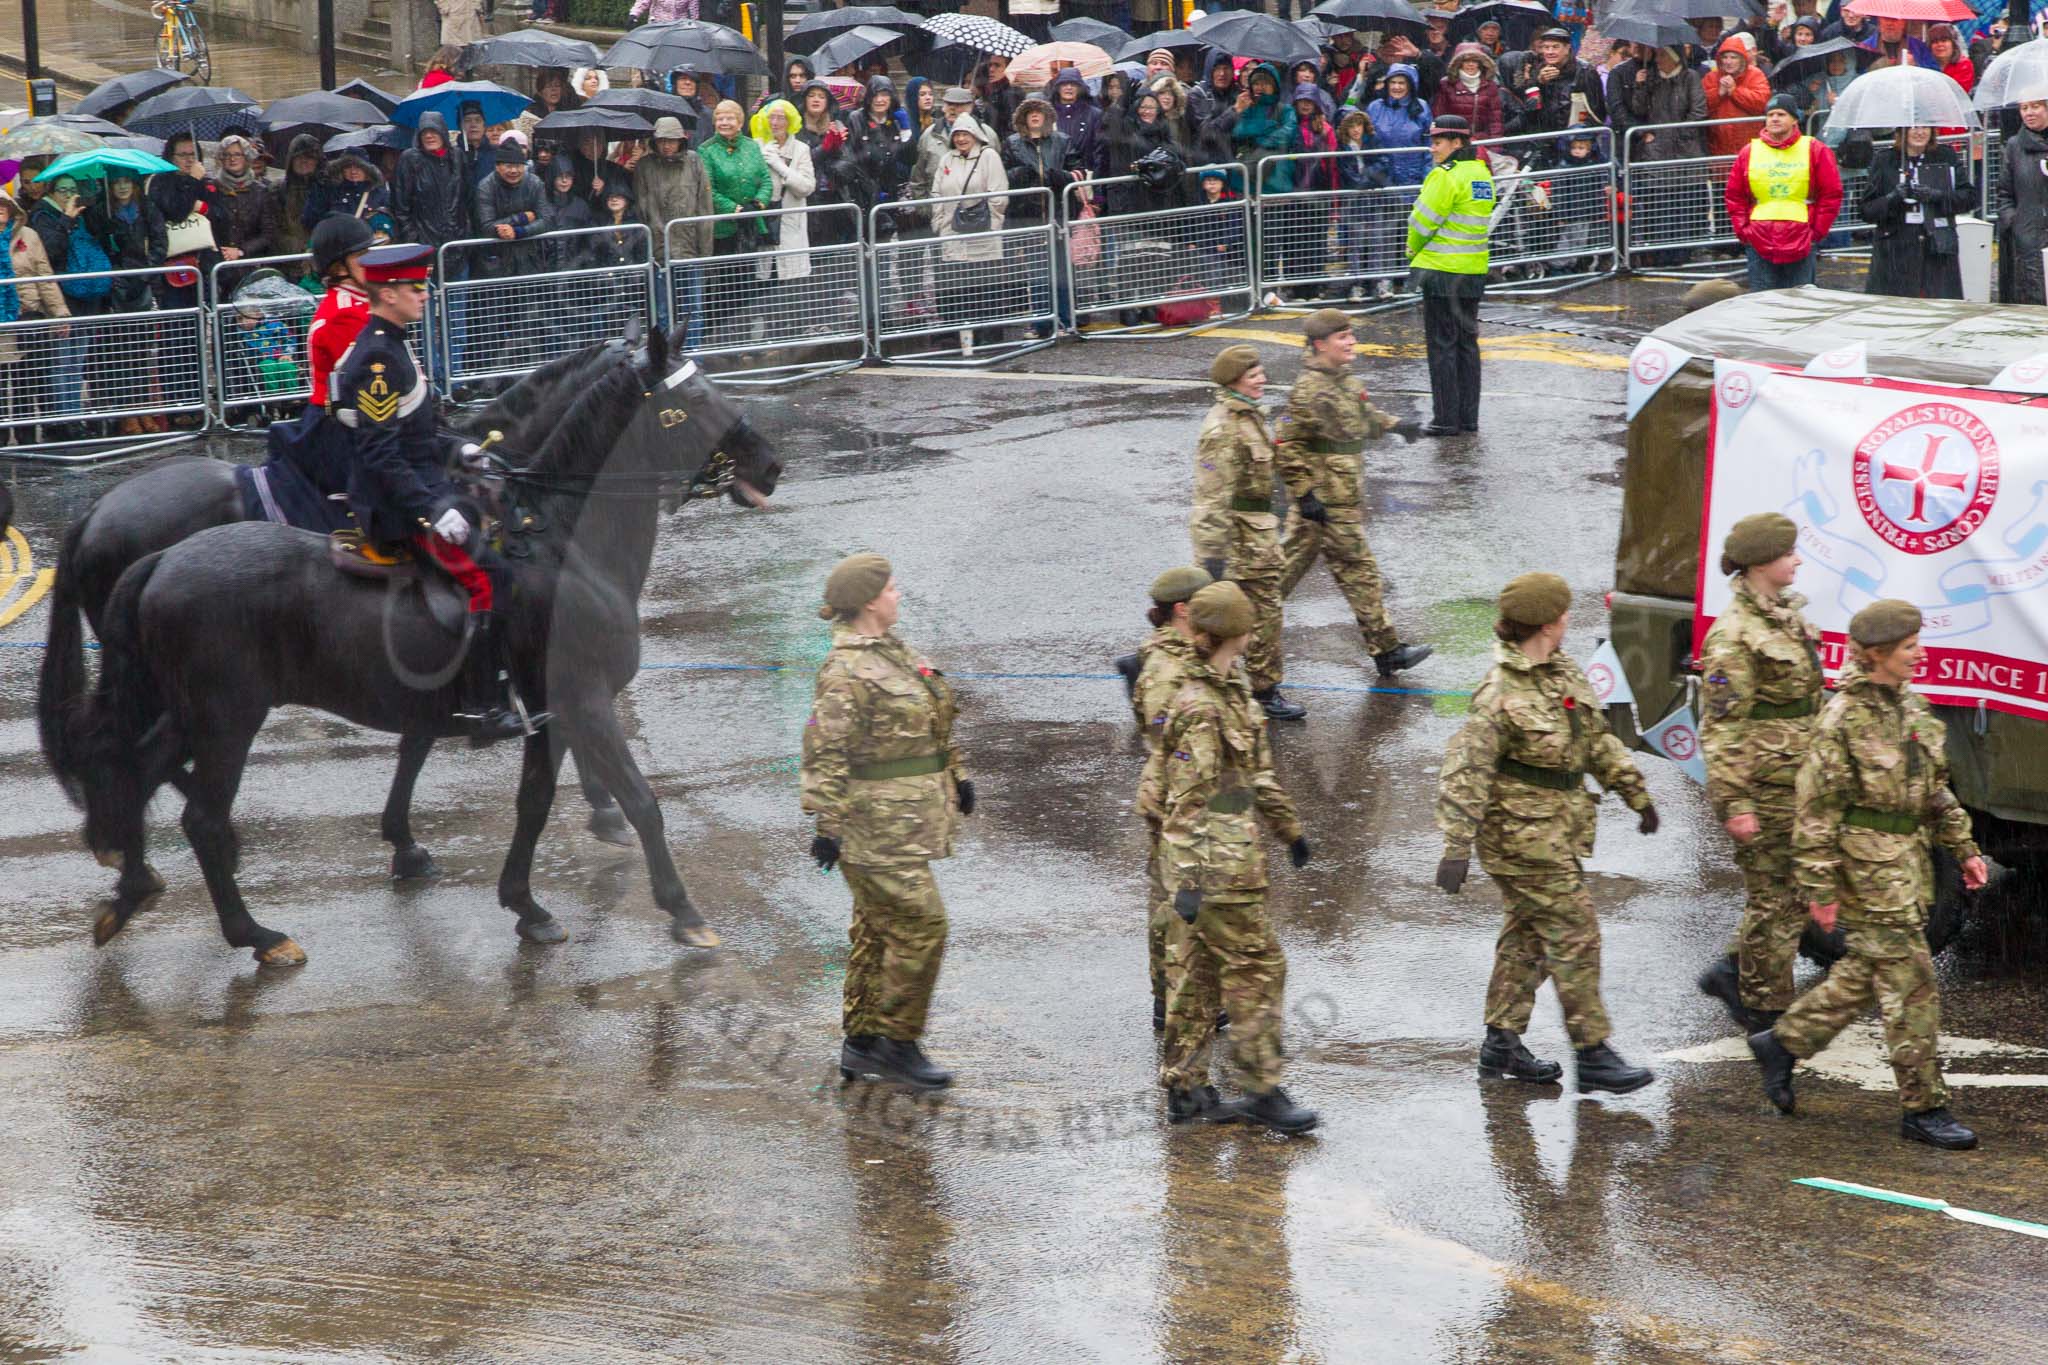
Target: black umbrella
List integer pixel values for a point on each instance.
(320, 109)
(852, 46)
(384, 135)
(1690, 9)
(687, 43)
(1175, 40)
(1320, 31)
(613, 123)
(1108, 37)
(817, 29)
(1244, 33)
(86, 123)
(1519, 20)
(207, 111)
(1647, 26)
(1812, 60)
(530, 47)
(109, 96)
(369, 94)
(648, 104)
(1386, 16)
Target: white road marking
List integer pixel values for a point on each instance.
(1858, 1056)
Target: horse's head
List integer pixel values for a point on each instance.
(687, 426)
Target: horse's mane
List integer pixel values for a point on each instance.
(582, 436)
(526, 411)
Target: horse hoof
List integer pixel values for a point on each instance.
(154, 878)
(609, 825)
(546, 929)
(283, 953)
(413, 864)
(109, 858)
(699, 935)
(106, 926)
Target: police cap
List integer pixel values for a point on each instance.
(1451, 125)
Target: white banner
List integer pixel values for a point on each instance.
(1936, 495)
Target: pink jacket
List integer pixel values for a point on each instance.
(663, 11)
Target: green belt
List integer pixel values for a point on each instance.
(1884, 821)
(1783, 710)
(900, 767)
(1235, 802)
(1557, 779)
(1356, 447)
(1251, 504)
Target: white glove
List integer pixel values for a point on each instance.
(452, 527)
(472, 455)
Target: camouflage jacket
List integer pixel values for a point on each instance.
(1323, 435)
(1166, 655)
(1877, 749)
(1233, 479)
(1756, 653)
(1219, 785)
(878, 704)
(1527, 716)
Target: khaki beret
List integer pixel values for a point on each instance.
(1885, 623)
(1708, 292)
(1222, 609)
(854, 582)
(1325, 322)
(1760, 538)
(1535, 599)
(1232, 363)
(1178, 585)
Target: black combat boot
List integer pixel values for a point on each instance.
(1600, 1067)
(906, 1062)
(1128, 665)
(857, 1058)
(1937, 1128)
(487, 690)
(1503, 1055)
(1278, 707)
(1723, 981)
(1392, 661)
(1777, 1063)
(1278, 1112)
(1201, 1105)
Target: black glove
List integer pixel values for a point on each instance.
(1127, 666)
(1213, 568)
(825, 849)
(1648, 824)
(965, 786)
(1450, 873)
(1311, 508)
(1187, 903)
(1299, 852)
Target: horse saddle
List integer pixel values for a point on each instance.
(439, 596)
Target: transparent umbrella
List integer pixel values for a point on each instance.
(2015, 75)
(1902, 97)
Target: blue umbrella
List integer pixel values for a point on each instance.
(498, 104)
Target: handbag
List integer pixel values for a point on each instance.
(189, 235)
(1084, 239)
(973, 217)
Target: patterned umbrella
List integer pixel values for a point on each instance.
(108, 96)
(1034, 66)
(979, 33)
(42, 137)
(817, 29)
(206, 111)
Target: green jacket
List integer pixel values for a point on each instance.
(739, 175)
(1448, 225)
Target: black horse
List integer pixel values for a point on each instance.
(201, 641)
(183, 496)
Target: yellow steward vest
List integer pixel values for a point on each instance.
(1778, 179)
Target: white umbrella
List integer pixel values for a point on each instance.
(1902, 97)
(2017, 74)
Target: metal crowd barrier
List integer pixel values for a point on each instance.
(937, 286)
(1553, 220)
(509, 307)
(1993, 166)
(1676, 208)
(73, 381)
(799, 311)
(1176, 253)
(1324, 243)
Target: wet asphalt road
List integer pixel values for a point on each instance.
(434, 1142)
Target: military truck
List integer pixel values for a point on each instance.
(1999, 760)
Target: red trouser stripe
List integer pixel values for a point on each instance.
(459, 566)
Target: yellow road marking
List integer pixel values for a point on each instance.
(18, 567)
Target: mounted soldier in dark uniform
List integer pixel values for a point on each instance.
(399, 486)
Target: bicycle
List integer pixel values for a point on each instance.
(182, 42)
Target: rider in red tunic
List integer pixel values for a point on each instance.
(337, 245)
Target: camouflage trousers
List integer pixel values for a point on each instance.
(895, 943)
(1550, 933)
(1160, 918)
(1341, 543)
(1256, 568)
(1766, 944)
(1889, 964)
(1234, 940)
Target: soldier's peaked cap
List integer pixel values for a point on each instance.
(402, 264)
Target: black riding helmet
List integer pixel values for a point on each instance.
(338, 238)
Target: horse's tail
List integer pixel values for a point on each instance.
(64, 679)
(107, 733)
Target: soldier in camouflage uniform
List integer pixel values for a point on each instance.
(1762, 691)
(1163, 663)
(1235, 533)
(1322, 442)
(1219, 787)
(882, 775)
(1514, 777)
(1872, 798)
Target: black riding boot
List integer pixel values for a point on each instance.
(487, 690)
